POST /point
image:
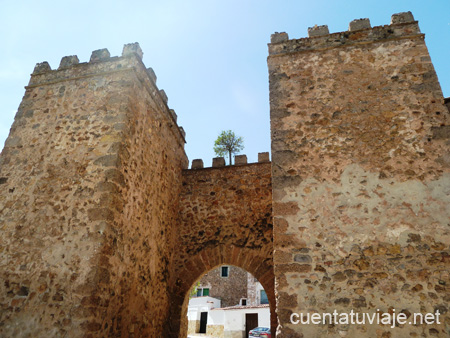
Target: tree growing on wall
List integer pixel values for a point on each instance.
(228, 143)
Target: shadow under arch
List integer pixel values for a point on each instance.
(258, 262)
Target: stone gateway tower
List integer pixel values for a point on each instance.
(104, 229)
(361, 180)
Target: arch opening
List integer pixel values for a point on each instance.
(258, 263)
(227, 301)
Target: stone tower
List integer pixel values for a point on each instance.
(361, 181)
(90, 177)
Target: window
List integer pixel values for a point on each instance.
(264, 299)
(244, 301)
(225, 271)
(202, 292)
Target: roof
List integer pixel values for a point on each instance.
(240, 307)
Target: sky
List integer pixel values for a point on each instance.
(210, 56)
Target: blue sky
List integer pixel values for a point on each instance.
(209, 56)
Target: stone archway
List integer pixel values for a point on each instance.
(260, 267)
(225, 218)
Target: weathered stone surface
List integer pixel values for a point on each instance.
(240, 159)
(197, 164)
(88, 218)
(218, 162)
(100, 55)
(217, 229)
(263, 157)
(318, 31)
(359, 24)
(68, 61)
(403, 17)
(132, 48)
(279, 37)
(103, 232)
(371, 203)
(41, 67)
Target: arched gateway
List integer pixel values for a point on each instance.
(103, 230)
(225, 218)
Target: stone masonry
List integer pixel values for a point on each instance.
(104, 229)
(229, 289)
(361, 181)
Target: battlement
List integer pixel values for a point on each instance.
(102, 63)
(402, 26)
(218, 162)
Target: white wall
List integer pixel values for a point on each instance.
(201, 304)
(235, 319)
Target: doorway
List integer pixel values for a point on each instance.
(203, 321)
(251, 321)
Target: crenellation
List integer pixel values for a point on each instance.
(42, 67)
(132, 49)
(182, 132)
(174, 115)
(163, 95)
(264, 157)
(404, 17)
(100, 55)
(218, 162)
(359, 24)
(402, 26)
(151, 73)
(279, 37)
(68, 61)
(240, 159)
(318, 31)
(102, 64)
(197, 164)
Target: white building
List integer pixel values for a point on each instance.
(206, 316)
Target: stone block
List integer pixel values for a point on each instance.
(182, 132)
(100, 55)
(164, 95)
(68, 61)
(197, 164)
(132, 48)
(318, 31)
(402, 18)
(279, 37)
(240, 159)
(174, 115)
(151, 74)
(263, 157)
(41, 68)
(359, 24)
(218, 162)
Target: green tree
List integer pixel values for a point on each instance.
(228, 142)
(194, 289)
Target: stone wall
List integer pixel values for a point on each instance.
(229, 289)
(216, 331)
(225, 219)
(193, 326)
(361, 178)
(89, 179)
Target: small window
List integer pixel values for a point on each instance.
(202, 292)
(243, 301)
(225, 271)
(264, 299)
